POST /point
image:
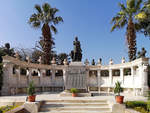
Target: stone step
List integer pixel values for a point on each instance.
(75, 108)
(78, 101)
(55, 104)
(80, 111)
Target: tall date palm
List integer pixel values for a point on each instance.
(126, 17)
(46, 18)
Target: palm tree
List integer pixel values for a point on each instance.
(144, 18)
(126, 17)
(46, 17)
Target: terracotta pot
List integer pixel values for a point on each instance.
(74, 94)
(31, 98)
(119, 99)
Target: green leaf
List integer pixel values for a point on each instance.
(38, 8)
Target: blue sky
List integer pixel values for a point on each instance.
(87, 19)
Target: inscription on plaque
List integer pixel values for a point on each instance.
(76, 77)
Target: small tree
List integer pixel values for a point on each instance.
(31, 89)
(74, 90)
(118, 89)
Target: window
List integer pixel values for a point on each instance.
(48, 73)
(104, 73)
(23, 71)
(127, 71)
(14, 70)
(93, 72)
(116, 72)
(35, 73)
(59, 73)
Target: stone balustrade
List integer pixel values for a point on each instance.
(17, 75)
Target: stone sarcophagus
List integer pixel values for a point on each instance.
(76, 77)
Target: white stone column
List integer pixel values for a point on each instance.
(110, 77)
(42, 75)
(132, 75)
(87, 76)
(18, 76)
(144, 77)
(53, 76)
(29, 75)
(64, 77)
(121, 75)
(7, 74)
(99, 80)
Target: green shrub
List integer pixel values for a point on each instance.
(141, 110)
(31, 89)
(118, 89)
(133, 104)
(74, 90)
(148, 105)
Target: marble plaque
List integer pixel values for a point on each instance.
(76, 77)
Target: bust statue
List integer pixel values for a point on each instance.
(111, 62)
(99, 61)
(76, 54)
(141, 53)
(86, 62)
(93, 62)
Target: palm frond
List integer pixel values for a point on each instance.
(138, 4)
(118, 21)
(33, 18)
(114, 19)
(123, 8)
(57, 20)
(53, 28)
(46, 7)
(114, 27)
(123, 23)
(54, 10)
(36, 24)
(38, 8)
(130, 4)
(137, 26)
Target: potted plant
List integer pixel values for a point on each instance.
(74, 92)
(31, 92)
(117, 90)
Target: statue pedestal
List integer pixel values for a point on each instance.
(76, 76)
(68, 94)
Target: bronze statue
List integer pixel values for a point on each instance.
(76, 54)
(93, 62)
(141, 54)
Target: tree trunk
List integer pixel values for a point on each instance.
(131, 40)
(47, 44)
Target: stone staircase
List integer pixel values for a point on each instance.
(75, 106)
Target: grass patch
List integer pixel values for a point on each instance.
(4, 109)
(140, 106)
